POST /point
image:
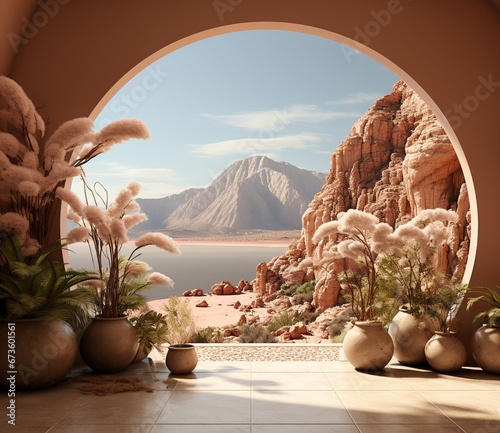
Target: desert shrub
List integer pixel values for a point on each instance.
(255, 334)
(308, 316)
(306, 287)
(282, 319)
(210, 334)
(180, 321)
(302, 298)
(337, 331)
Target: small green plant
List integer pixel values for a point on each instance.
(282, 319)
(490, 316)
(152, 330)
(338, 330)
(210, 334)
(255, 334)
(180, 321)
(446, 299)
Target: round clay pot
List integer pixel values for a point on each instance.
(108, 345)
(41, 353)
(368, 346)
(181, 358)
(485, 347)
(445, 352)
(410, 334)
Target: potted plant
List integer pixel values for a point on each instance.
(411, 267)
(40, 306)
(485, 343)
(358, 238)
(445, 352)
(181, 355)
(110, 343)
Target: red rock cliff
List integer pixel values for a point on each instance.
(396, 161)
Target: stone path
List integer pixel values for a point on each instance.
(268, 352)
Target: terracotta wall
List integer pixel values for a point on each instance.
(75, 51)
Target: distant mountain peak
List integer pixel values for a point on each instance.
(255, 193)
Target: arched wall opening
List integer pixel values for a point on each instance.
(350, 47)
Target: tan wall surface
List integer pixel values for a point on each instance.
(447, 50)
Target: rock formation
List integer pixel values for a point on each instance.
(396, 161)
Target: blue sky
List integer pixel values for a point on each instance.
(291, 96)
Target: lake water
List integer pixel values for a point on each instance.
(198, 265)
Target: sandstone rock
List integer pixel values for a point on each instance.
(296, 331)
(223, 288)
(237, 305)
(396, 161)
(242, 320)
(197, 292)
(187, 293)
(202, 304)
(245, 286)
(258, 303)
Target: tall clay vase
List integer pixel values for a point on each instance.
(445, 352)
(368, 345)
(410, 334)
(485, 347)
(181, 358)
(35, 353)
(109, 345)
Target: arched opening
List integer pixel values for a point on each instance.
(349, 50)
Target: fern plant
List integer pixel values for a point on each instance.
(36, 287)
(491, 316)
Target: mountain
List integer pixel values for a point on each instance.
(396, 161)
(256, 193)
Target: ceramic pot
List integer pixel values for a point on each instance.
(368, 346)
(181, 358)
(485, 347)
(410, 334)
(41, 353)
(108, 345)
(445, 352)
(141, 353)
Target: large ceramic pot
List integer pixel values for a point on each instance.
(368, 345)
(181, 358)
(109, 345)
(445, 352)
(410, 334)
(35, 353)
(485, 347)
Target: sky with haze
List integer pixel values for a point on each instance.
(288, 95)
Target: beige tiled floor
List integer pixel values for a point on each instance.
(271, 397)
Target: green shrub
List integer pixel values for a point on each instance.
(306, 287)
(282, 319)
(308, 316)
(210, 334)
(255, 334)
(180, 321)
(302, 298)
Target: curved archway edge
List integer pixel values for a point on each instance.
(87, 49)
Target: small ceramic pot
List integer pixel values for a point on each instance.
(181, 358)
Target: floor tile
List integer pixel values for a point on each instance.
(32, 407)
(223, 366)
(124, 408)
(207, 407)
(336, 366)
(485, 427)
(304, 428)
(297, 381)
(289, 367)
(382, 381)
(26, 428)
(391, 407)
(471, 407)
(214, 381)
(399, 428)
(298, 407)
(106, 428)
(201, 428)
